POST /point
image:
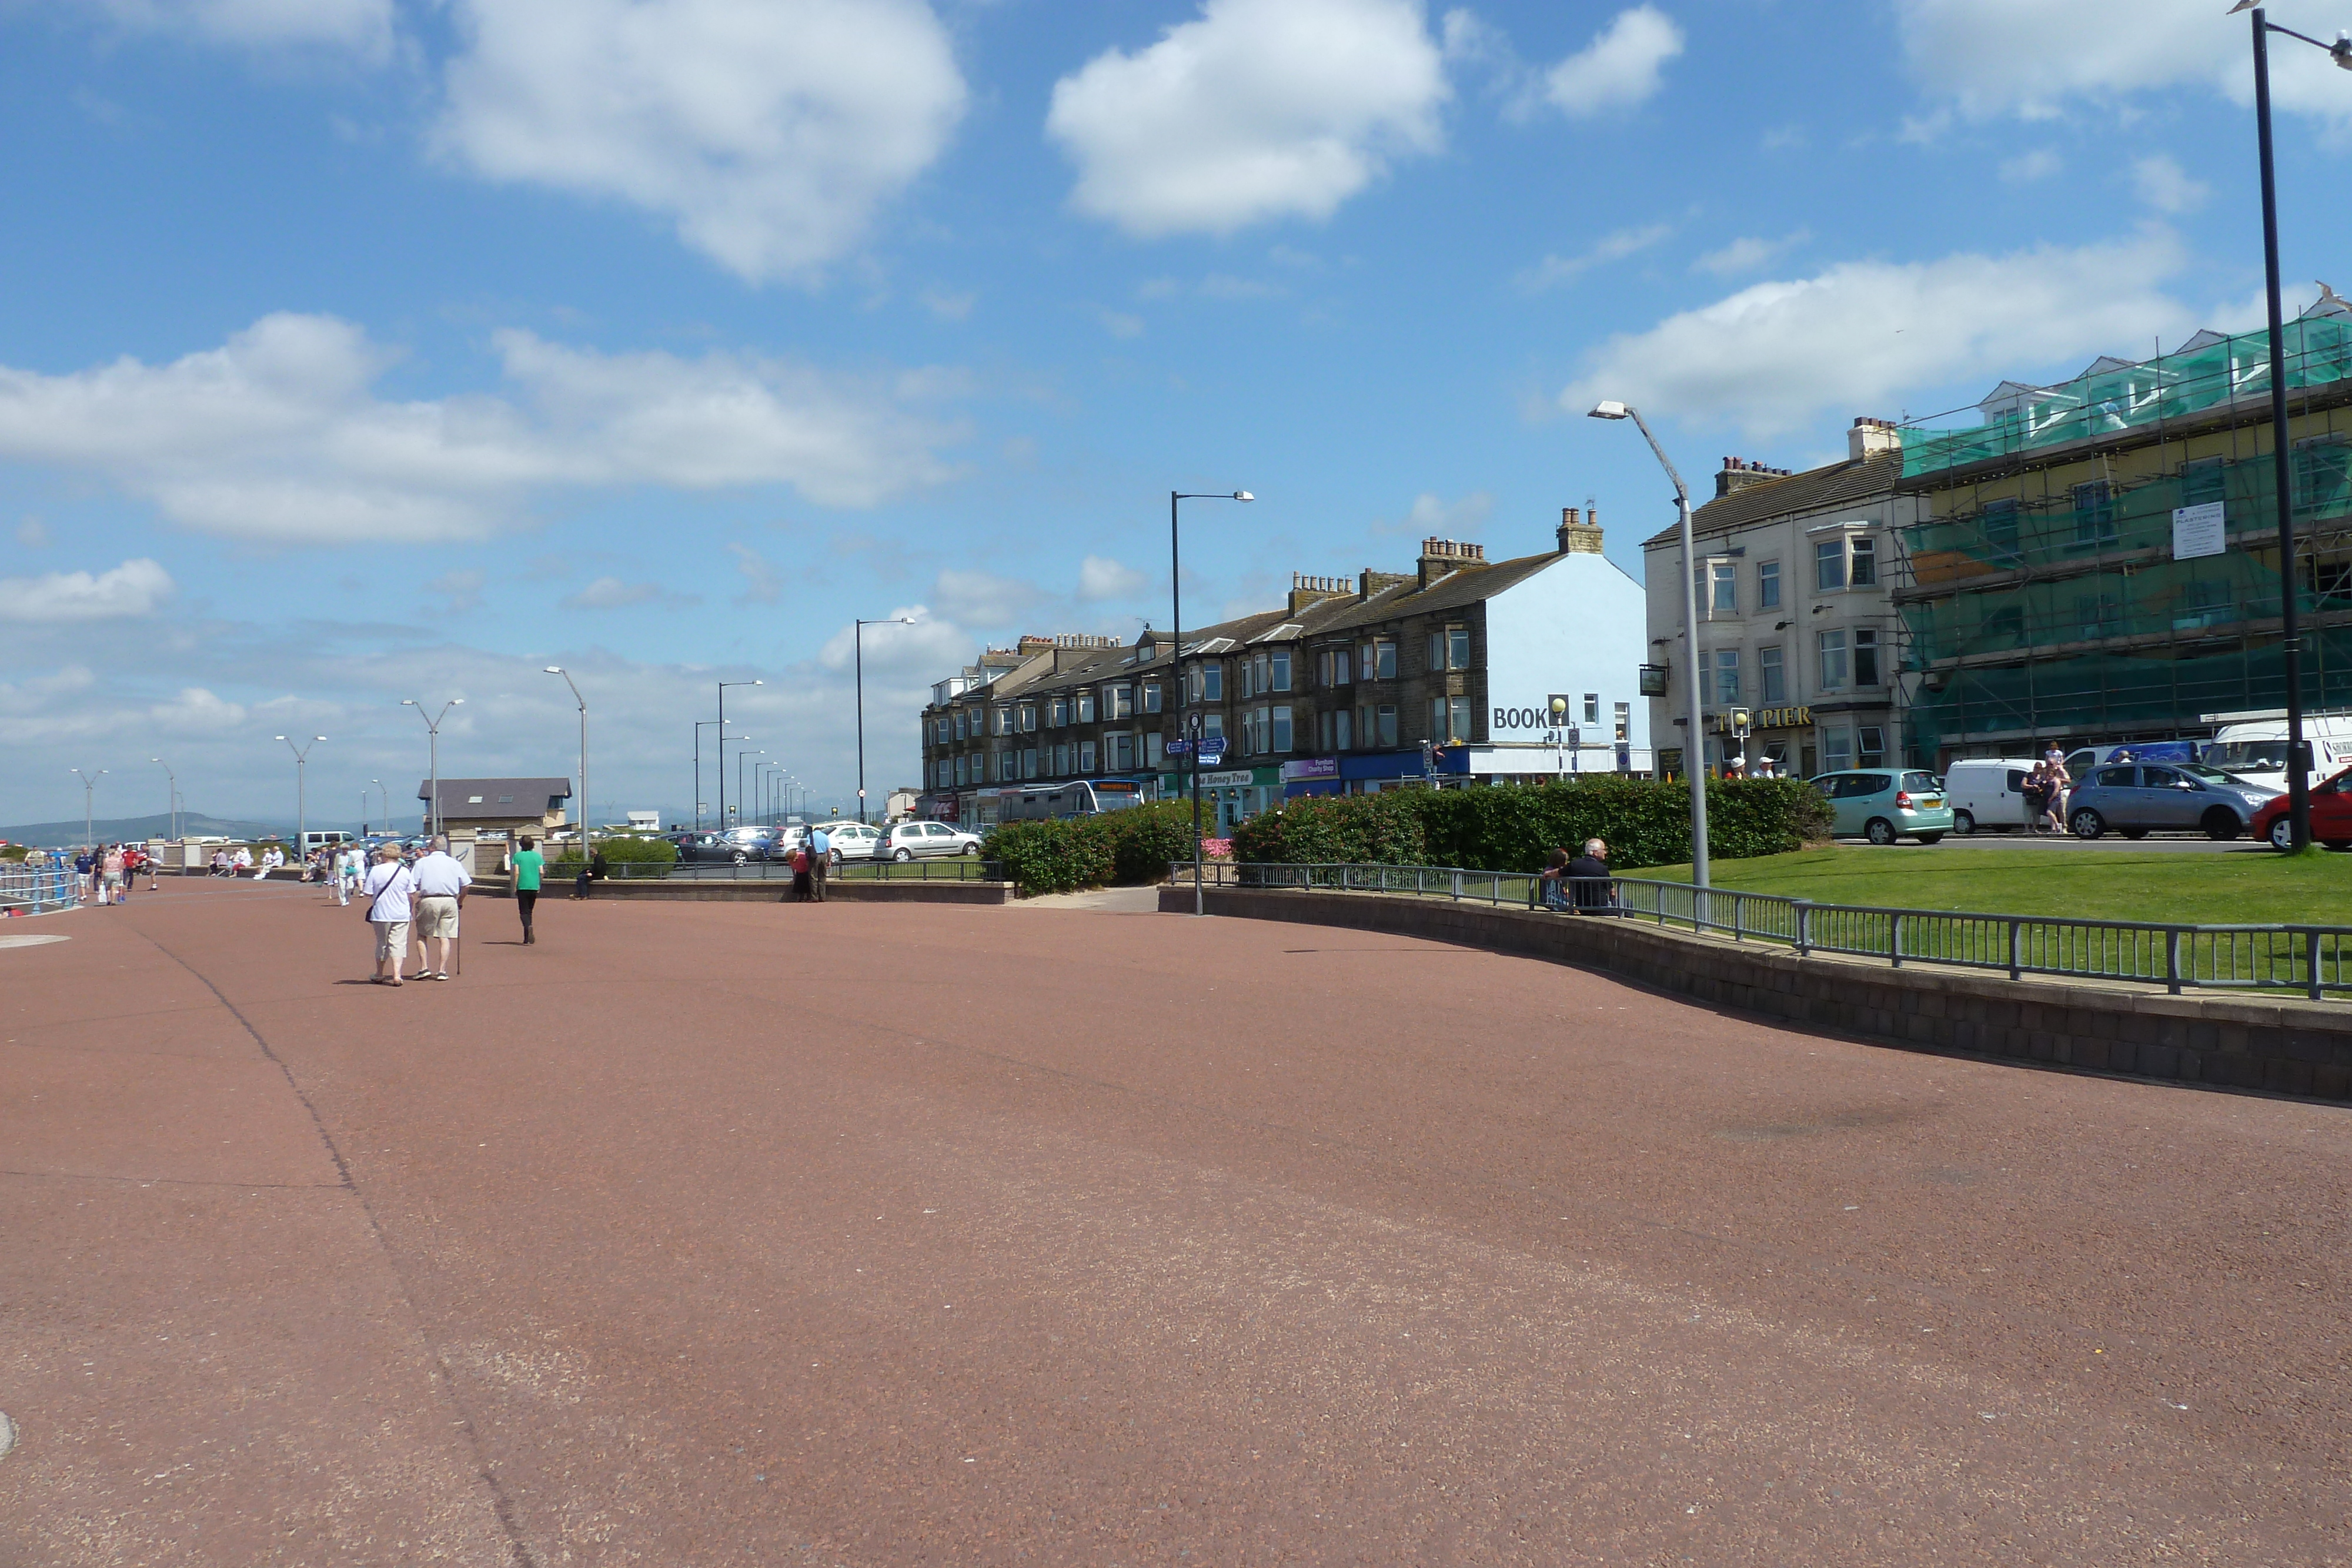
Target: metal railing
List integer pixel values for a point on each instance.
(2312, 959)
(38, 889)
(944, 868)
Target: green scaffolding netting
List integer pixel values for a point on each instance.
(2211, 372)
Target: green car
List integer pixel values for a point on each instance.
(1884, 806)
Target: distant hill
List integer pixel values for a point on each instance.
(123, 830)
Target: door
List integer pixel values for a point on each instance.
(2170, 798)
(2117, 797)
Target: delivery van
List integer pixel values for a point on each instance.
(1987, 793)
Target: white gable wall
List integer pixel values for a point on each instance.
(1577, 626)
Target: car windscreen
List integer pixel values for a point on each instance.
(2248, 756)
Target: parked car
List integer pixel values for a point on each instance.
(850, 841)
(1882, 806)
(2331, 816)
(736, 848)
(2139, 798)
(916, 841)
(1987, 792)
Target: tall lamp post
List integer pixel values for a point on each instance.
(700, 725)
(1176, 664)
(740, 797)
(302, 796)
(2298, 756)
(89, 791)
(386, 795)
(171, 806)
(722, 744)
(1694, 745)
(432, 728)
(559, 670)
(857, 643)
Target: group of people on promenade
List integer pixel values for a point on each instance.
(103, 872)
(419, 902)
(2045, 792)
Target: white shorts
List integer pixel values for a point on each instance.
(390, 939)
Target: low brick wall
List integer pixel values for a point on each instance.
(775, 890)
(2283, 1044)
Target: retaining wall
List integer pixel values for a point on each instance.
(2287, 1045)
(775, 890)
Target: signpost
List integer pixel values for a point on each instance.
(1213, 750)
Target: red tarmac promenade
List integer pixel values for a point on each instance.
(715, 1234)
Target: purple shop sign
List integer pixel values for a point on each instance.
(1311, 767)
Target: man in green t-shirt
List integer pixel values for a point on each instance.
(527, 864)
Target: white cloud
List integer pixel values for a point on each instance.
(197, 711)
(2165, 185)
(2027, 167)
(365, 28)
(921, 652)
(762, 583)
(2029, 58)
(1863, 336)
(769, 130)
(947, 307)
(1259, 110)
(461, 589)
(1099, 577)
(1622, 68)
(133, 589)
(276, 437)
(1432, 516)
(613, 594)
(974, 598)
(1556, 270)
(1747, 253)
(1120, 323)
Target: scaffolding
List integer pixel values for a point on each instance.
(2044, 599)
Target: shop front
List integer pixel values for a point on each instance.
(1228, 795)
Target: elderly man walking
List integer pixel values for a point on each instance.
(441, 883)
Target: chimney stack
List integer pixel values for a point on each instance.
(1579, 534)
(1869, 437)
(1442, 558)
(1737, 473)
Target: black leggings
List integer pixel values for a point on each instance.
(523, 903)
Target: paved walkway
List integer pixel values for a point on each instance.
(729, 1234)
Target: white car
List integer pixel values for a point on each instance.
(850, 841)
(919, 840)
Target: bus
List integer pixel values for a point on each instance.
(1078, 798)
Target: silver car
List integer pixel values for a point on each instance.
(920, 841)
(2132, 798)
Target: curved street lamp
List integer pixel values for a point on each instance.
(559, 670)
(1695, 744)
(301, 798)
(88, 790)
(857, 638)
(433, 728)
(171, 806)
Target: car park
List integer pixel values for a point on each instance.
(1884, 804)
(1987, 794)
(2136, 799)
(904, 842)
(850, 841)
(2331, 816)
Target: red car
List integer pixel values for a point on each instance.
(2331, 816)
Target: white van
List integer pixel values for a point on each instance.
(2254, 744)
(1987, 793)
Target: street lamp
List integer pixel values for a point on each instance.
(740, 796)
(559, 670)
(433, 728)
(386, 795)
(1694, 745)
(2298, 763)
(857, 638)
(172, 807)
(88, 785)
(301, 799)
(764, 776)
(722, 748)
(1176, 664)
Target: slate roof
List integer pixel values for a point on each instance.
(503, 798)
(1839, 484)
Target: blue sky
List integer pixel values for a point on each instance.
(358, 350)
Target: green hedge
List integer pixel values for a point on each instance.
(639, 851)
(1514, 827)
(1122, 847)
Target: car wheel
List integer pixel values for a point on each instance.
(2088, 823)
(1879, 830)
(972, 848)
(902, 856)
(1929, 838)
(2220, 823)
(741, 857)
(1963, 823)
(834, 855)
(2282, 833)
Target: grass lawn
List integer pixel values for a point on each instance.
(2240, 887)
